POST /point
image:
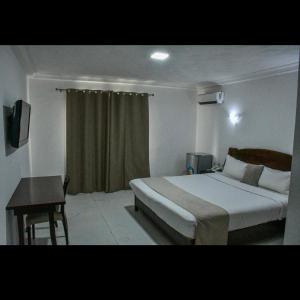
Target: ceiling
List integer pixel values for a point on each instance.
(186, 67)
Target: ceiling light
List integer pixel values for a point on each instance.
(159, 55)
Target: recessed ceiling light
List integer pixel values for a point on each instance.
(160, 55)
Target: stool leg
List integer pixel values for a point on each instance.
(65, 224)
(28, 235)
(33, 231)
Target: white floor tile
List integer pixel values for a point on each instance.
(109, 219)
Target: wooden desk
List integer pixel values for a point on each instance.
(37, 195)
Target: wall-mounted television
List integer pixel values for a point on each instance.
(19, 124)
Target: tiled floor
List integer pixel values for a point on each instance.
(110, 219)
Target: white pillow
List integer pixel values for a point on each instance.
(275, 180)
(234, 168)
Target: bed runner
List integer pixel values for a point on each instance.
(212, 220)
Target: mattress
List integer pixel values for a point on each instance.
(246, 205)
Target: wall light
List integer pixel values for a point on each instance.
(159, 55)
(234, 118)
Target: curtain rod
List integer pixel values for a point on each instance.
(61, 90)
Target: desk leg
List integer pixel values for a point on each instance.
(52, 228)
(21, 229)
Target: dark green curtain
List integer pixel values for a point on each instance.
(107, 140)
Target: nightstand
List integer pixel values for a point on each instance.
(206, 171)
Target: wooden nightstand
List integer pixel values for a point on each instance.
(207, 171)
(212, 170)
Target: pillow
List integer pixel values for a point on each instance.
(234, 168)
(275, 180)
(252, 174)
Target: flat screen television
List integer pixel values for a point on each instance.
(19, 124)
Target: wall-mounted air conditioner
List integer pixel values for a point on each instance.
(213, 98)
(210, 95)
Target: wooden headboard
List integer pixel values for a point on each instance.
(269, 158)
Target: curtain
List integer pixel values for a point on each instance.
(107, 140)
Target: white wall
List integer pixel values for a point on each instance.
(16, 165)
(292, 228)
(172, 125)
(268, 108)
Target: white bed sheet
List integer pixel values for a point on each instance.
(246, 205)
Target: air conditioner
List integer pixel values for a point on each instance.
(211, 98)
(210, 95)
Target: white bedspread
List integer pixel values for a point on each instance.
(246, 205)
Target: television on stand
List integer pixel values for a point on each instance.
(19, 124)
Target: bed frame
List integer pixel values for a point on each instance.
(269, 158)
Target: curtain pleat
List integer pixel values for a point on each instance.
(107, 140)
(137, 138)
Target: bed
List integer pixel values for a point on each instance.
(246, 205)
